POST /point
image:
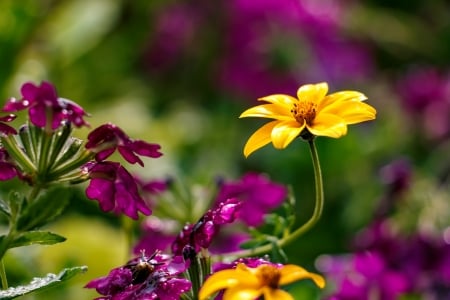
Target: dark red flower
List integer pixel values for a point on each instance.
(105, 139)
(115, 189)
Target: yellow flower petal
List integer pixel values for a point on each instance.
(226, 279)
(351, 112)
(328, 125)
(292, 273)
(276, 294)
(285, 132)
(280, 100)
(268, 111)
(341, 97)
(242, 293)
(312, 92)
(259, 138)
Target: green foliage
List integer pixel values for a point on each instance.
(42, 283)
(44, 209)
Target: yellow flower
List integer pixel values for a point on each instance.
(313, 112)
(244, 283)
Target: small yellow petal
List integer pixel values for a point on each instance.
(328, 125)
(268, 111)
(285, 132)
(312, 92)
(242, 293)
(259, 138)
(341, 97)
(280, 100)
(351, 112)
(276, 294)
(226, 279)
(292, 273)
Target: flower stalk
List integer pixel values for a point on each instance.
(289, 237)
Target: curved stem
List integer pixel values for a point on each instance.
(318, 208)
(3, 275)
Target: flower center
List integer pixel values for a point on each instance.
(304, 111)
(269, 276)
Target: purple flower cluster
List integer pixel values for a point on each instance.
(255, 54)
(155, 277)
(45, 108)
(110, 183)
(387, 265)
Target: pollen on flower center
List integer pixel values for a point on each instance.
(269, 276)
(304, 111)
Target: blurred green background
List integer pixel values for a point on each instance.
(179, 73)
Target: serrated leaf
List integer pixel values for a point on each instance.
(44, 209)
(41, 283)
(37, 237)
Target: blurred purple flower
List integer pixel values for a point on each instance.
(200, 234)
(105, 139)
(155, 277)
(42, 102)
(425, 93)
(258, 195)
(157, 234)
(260, 47)
(174, 32)
(271, 45)
(389, 265)
(115, 189)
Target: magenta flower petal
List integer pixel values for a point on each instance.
(105, 139)
(115, 189)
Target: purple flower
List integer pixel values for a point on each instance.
(154, 277)
(156, 234)
(7, 169)
(389, 265)
(425, 93)
(42, 103)
(200, 235)
(105, 139)
(5, 128)
(115, 189)
(258, 196)
(362, 275)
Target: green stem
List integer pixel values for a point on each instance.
(306, 226)
(3, 275)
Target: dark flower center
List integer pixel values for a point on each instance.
(304, 111)
(269, 276)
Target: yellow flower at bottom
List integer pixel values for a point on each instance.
(312, 111)
(244, 283)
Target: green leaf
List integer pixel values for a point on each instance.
(4, 208)
(36, 237)
(44, 209)
(41, 283)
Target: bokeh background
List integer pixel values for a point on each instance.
(179, 73)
